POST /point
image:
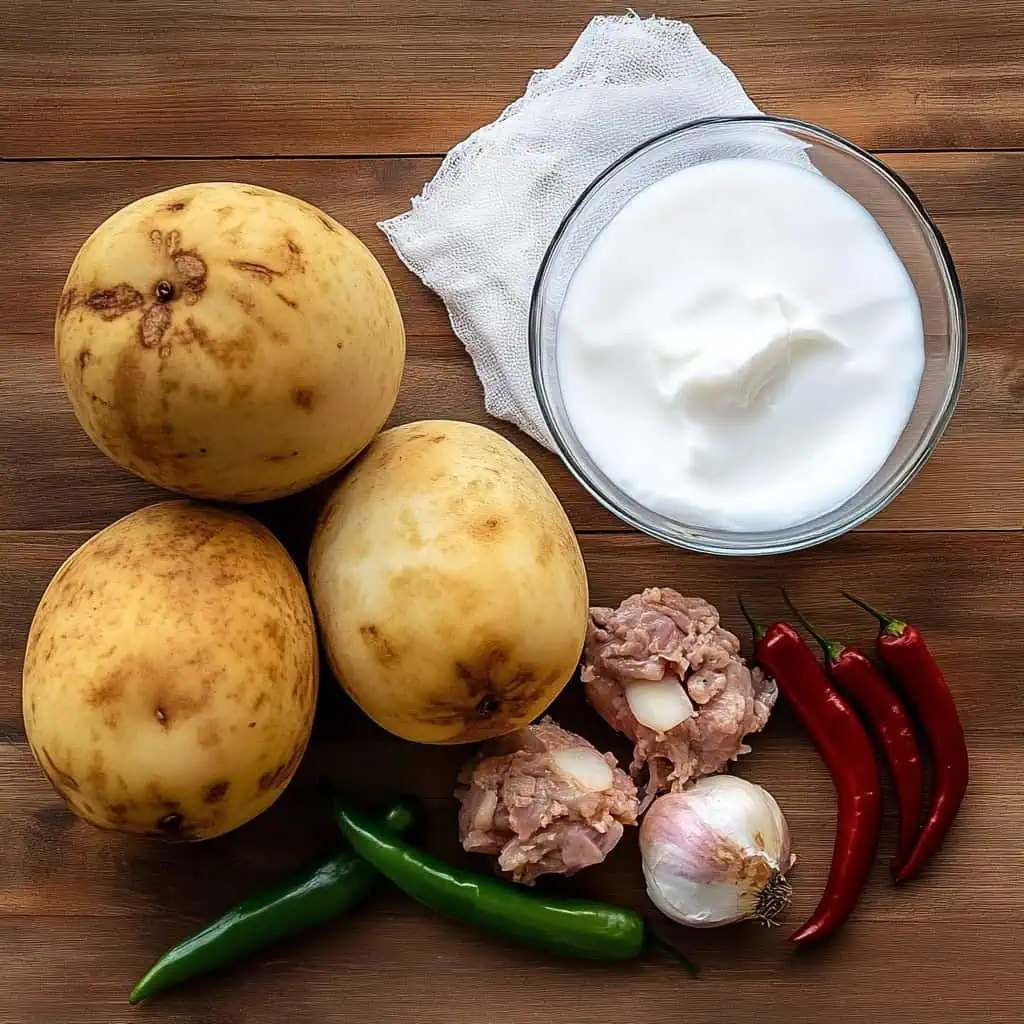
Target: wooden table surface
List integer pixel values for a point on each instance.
(349, 105)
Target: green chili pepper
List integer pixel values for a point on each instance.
(317, 894)
(579, 928)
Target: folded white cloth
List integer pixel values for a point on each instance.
(478, 231)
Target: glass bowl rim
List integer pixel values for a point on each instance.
(795, 538)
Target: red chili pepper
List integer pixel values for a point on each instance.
(851, 670)
(905, 653)
(838, 734)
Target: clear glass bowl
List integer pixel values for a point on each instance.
(911, 233)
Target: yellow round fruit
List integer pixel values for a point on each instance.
(229, 341)
(448, 583)
(171, 673)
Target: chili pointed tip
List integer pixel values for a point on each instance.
(905, 873)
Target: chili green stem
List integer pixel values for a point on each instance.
(890, 625)
(756, 627)
(831, 649)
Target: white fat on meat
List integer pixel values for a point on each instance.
(677, 645)
(544, 801)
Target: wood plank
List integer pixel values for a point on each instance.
(115, 903)
(50, 208)
(58, 866)
(248, 77)
(54, 456)
(973, 627)
(971, 483)
(431, 972)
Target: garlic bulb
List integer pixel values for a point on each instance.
(716, 853)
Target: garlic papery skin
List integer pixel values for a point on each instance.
(716, 853)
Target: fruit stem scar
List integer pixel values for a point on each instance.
(487, 707)
(164, 291)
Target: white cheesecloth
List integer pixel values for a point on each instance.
(479, 229)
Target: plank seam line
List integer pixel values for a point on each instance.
(57, 531)
(284, 157)
(194, 158)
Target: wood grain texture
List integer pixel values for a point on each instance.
(247, 77)
(220, 82)
(973, 482)
(115, 903)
